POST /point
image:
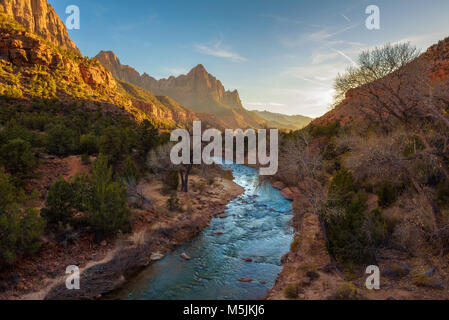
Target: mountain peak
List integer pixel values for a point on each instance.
(40, 18)
(108, 56)
(199, 69)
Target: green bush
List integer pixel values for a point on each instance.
(107, 208)
(116, 143)
(20, 230)
(17, 157)
(173, 203)
(347, 291)
(131, 172)
(329, 130)
(88, 144)
(353, 233)
(61, 140)
(85, 159)
(291, 291)
(341, 189)
(60, 202)
(386, 194)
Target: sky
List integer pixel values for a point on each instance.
(282, 56)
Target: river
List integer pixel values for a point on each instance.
(258, 227)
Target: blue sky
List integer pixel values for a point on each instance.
(281, 55)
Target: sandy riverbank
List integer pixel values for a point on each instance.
(156, 231)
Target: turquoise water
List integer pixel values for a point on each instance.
(257, 227)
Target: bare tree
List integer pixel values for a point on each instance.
(374, 65)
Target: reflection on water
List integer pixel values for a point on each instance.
(257, 227)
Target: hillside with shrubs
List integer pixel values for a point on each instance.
(375, 169)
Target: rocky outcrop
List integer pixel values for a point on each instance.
(198, 90)
(40, 18)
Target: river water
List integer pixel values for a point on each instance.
(257, 227)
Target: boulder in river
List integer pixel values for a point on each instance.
(155, 256)
(185, 256)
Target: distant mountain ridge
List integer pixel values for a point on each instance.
(198, 90)
(283, 121)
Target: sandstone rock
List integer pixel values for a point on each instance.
(289, 193)
(155, 256)
(279, 185)
(39, 17)
(185, 256)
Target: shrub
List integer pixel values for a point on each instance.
(330, 130)
(387, 195)
(107, 208)
(17, 157)
(353, 234)
(60, 202)
(131, 171)
(88, 144)
(85, 159)
(20, 230)
(115, 143)
(173, 203)
(291, 291)
(61, 140)
(341, 189)
(347, 291)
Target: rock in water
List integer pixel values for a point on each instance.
(155, 256)
(185, 256)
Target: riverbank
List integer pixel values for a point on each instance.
(309, 273)
(156, 231)
(307, 270)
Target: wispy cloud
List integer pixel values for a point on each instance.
(344, 55)
(264, 104)
(219, 51)
(285, 20)
(324, 35)
(345, 17)
(176, 71)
